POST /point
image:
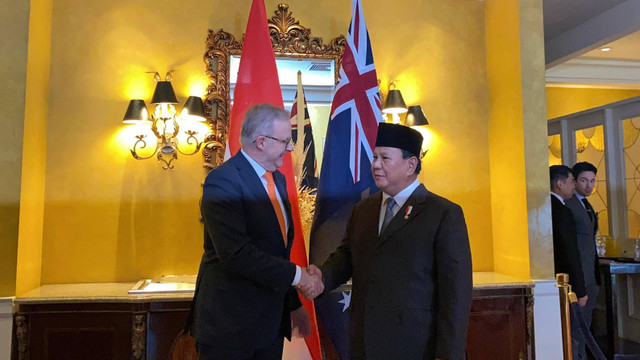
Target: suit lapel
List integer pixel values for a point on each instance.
(577, 203)
(281, 185)
(584, 214)
(415, 203)
(251, 179)
(253, 182)
(371, 232)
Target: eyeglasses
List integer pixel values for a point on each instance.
(286, 142)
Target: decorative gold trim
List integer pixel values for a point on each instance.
(138, 336)
(22, 332)
(289, 39)
(529, 301)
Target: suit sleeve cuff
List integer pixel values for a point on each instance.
(296, 279)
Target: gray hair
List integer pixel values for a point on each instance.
(258, 120)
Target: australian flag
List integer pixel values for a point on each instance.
(346, 178)
(310, 180)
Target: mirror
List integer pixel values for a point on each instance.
(290, 41)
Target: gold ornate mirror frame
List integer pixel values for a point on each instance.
(289, 38)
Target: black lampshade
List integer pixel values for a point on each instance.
(394, 103)
(415, 116)
(193, 109)
(164, 93)
(136, 111)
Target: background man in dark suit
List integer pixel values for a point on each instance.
(566, 255)
(586, 220)
(244, 299)
(408, 252)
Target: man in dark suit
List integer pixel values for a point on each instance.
(408, 252)
(586, 220)
(566, 255)
(244, 300)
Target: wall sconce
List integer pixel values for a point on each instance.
(415, 117)
(165, 122)
(417, 120)
(394, 104)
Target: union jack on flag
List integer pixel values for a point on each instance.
(345, 176)
(358, 92)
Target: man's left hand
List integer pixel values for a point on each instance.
(300, 321)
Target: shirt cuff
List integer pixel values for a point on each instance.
(296, 279)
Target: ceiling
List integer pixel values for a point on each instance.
(576, 30)
(626, 49)
(563, 15)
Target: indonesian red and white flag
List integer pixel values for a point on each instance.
(258, 83)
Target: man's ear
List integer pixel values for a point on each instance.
(413, 164)
(260, 143)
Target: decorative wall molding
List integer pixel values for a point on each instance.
(288, 38)
(595, 73)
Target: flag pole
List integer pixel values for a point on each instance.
(300, 117)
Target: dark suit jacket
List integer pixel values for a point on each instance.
(412, 285)
(566, 256)
(243, 291)
(586, 231)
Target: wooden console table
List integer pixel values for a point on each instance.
(96, 321)
(101, 321)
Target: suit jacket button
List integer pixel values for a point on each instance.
(378, 252)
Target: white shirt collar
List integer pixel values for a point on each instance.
(558, 197)
(257, 167)
(403, 195)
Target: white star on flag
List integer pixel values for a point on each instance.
(346, 300)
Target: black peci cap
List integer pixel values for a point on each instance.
(399, 136)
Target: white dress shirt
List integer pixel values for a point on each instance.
(260, 172)
(400, 199)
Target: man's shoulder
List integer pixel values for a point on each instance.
(369, 201)
(228, 169)
(560, 211)
(573, 202)
(441, 201)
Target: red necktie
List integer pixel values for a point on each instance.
(271, 190)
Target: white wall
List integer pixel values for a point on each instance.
(546, 312)
(6, 321)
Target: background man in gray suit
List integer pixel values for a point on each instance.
(408, 252)
(586, 220)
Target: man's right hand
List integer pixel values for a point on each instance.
(583, 300)
(311, 285)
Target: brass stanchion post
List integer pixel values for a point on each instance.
(564, 289)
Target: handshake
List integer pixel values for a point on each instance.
(310, 285)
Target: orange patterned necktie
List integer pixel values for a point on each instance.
(271, 190)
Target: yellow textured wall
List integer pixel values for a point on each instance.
(443, 69)
(563, 101)
(108, 217)
(540, 244)
(14, 20)
(515, 73)
(34, 149)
